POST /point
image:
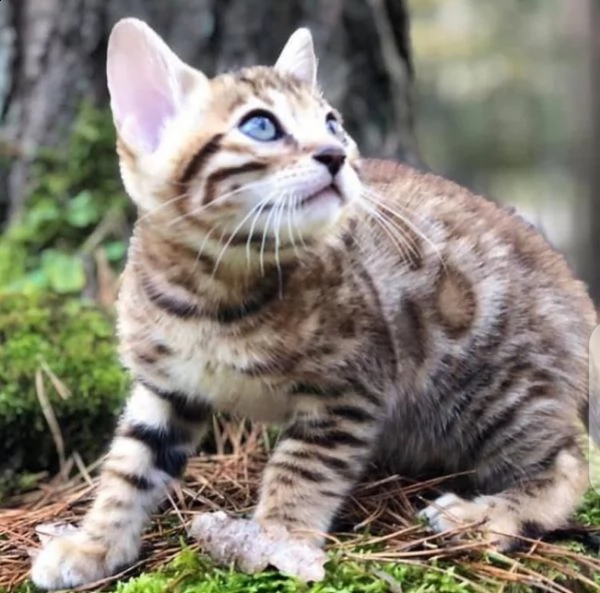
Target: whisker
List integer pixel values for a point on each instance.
(264, 240)
(201, 250)
(153, 211)
(277, 220)
(296, 204)
(398, 231)
(370, 193)
(217, 201)
(409, 240)
(251, 233)
(290, 211)
(234, 233)
(376, 199)
(392, 233)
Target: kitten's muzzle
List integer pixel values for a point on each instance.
(331, 189)
(332, 157)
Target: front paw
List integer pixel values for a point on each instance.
(77, 559)
(253, 546)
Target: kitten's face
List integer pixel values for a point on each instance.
(244, 156)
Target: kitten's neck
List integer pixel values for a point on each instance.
(208, 268)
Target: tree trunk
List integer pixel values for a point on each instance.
(52, 55)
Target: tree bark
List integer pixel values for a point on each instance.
(52, 55)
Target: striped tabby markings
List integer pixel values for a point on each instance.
(137, 482)
(266, 293)
(337, 390)
(218, 176)
(166, 445)
(200, 160)
(337, 465)
(153, 353)
(456, 302)
(184, 407)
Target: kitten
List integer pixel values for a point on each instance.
(378, 313)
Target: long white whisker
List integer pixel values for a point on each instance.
(377, 200)
(233, 234)
(277, 224)
(201, 250)
(264, 240)
(252, 227)
(408, 240)
(153, 211)
(396, 238)
(397, 230)
(375, 197)
(290, 211)
(296, 203)
(217, 201)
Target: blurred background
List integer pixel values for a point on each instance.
(502, 97)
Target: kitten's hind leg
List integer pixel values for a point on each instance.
(533, 507)
(157, 433)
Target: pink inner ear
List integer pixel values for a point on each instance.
(141, 88)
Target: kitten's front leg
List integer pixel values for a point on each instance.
(157, 433)
(320, 456)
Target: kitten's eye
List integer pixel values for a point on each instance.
(334, 126)
(261, 126)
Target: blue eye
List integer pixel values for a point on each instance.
(334, 126)
(261, 126)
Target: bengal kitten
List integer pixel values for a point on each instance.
(378, 313)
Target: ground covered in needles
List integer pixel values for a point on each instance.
(378, 548)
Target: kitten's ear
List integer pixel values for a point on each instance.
(298, 57)
(147, 83)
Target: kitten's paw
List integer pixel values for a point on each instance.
(488, 515)
(76, 559)
(254, 546)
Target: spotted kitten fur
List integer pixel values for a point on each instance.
(377, 313)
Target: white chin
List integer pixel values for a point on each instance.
(318, 211)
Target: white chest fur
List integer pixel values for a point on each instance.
(204, 365)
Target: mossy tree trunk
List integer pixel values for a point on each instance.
(52, 54)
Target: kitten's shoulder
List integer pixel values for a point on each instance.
(454, 204)
(467, 216)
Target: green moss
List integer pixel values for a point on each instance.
(76, 342)
(190, 573)
(76, 204)
(589, 513)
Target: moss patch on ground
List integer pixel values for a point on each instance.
(190, 573)
(66, 350)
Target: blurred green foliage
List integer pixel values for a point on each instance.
(76, 342)
(76, 205)
(500, 89)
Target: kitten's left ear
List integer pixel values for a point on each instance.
(298, 57)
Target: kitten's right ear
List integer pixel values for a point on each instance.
(147, 83)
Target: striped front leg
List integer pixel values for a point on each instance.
(321, 455)
(157, 433)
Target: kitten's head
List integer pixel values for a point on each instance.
(258, 151)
